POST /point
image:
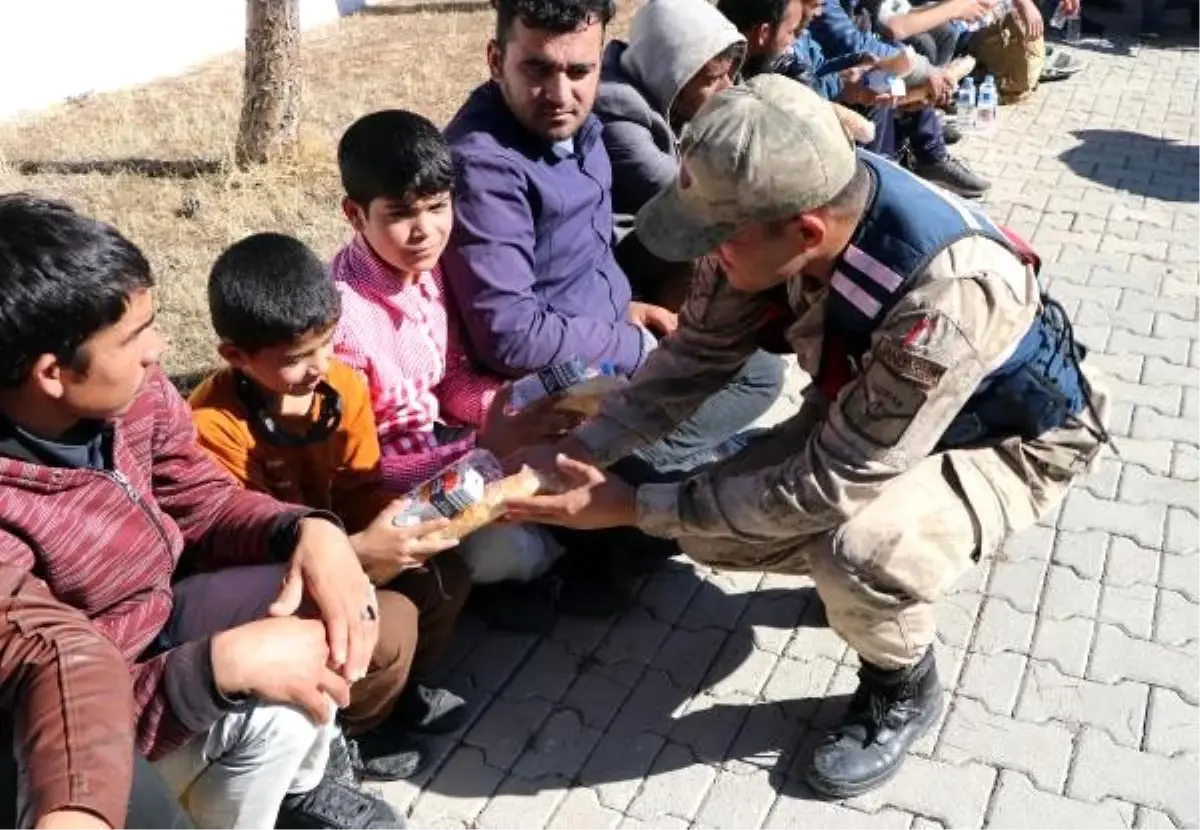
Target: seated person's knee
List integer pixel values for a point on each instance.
(501, 553)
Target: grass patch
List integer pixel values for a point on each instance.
(156, 160)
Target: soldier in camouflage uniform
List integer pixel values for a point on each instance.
(949, 406)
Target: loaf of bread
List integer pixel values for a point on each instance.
(856, 126)
(491, 507)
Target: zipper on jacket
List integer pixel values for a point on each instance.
(122, 481)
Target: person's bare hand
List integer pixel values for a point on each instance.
(281, 660)
(385, 549)
(653, 317)
(941, 85)
(504, 432)
(591, 499)
(856, 93)
(857, 74)
(973, 11)
(325, 567)
(1071, 7)
(69, 819)
(1029, 19)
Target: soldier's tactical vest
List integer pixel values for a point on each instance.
(907, 224)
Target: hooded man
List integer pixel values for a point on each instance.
(679, 54)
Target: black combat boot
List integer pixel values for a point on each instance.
(890, 710)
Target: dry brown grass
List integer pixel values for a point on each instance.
(80, 151)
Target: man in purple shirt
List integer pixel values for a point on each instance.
(530, 263)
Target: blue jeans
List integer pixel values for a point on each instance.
(708, 435)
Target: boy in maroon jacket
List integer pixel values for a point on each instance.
(107, 501)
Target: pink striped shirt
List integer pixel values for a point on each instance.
(399, 332)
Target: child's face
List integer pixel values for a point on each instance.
(408, 235)
(292, 369)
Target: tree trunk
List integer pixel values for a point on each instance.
(271, 95)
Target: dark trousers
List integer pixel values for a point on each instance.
(699, 440)
(921, 131)
(151, 803)
(939, 45)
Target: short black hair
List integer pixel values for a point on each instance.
(64, 277)
(270, 289)
(556, 16)
(394, 154)
(746, 14)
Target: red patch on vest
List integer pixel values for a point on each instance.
(1024, 250)
(920, 334)
(836, 370)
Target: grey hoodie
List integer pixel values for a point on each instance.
(670, 41)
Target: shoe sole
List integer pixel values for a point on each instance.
(830, 792)
(959, 192)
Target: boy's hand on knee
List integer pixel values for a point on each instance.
(385, 549)
(281, 660)
(325, 567)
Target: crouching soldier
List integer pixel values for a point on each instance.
(949, 408)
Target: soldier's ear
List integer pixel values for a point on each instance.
(812, 227)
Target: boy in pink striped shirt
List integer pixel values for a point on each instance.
(398, 330)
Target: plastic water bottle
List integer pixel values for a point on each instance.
(986, 110)
(998, 12)
(964, 102)
(1070, 23)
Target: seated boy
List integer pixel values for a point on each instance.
(287, 419)
(107, 502)
(398, 330)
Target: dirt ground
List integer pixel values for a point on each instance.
(156, 160)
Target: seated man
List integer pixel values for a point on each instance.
(530, 262)
(950, 407)
(828, 33)
(105, 495)
(287, 419)
(679, 53)
(59, 771)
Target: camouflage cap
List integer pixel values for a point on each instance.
(766, 150)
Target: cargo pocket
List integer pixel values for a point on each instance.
(981, 500)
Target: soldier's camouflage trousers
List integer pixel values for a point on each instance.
(880, 572)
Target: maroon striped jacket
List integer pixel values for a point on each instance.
(108, 543)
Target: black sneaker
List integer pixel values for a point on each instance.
(951, 134)
(890, 710)
(955, 176)
(336, 806)
(430, 711)
(383, 754)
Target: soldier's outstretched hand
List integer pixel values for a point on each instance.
(591, 499)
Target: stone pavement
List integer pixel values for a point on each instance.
(1071, 659)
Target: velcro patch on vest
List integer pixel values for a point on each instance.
(919, 370)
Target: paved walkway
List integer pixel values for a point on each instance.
(1071, 658)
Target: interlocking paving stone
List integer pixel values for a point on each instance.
(1105, 770)
(1051, 695)
(1019, 804)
